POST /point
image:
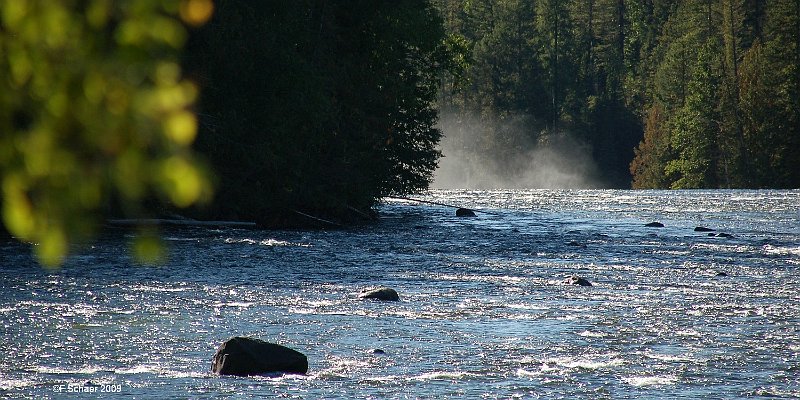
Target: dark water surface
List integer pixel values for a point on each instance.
(483, 312)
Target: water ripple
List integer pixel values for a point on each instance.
(483, 310)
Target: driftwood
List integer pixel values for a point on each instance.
(361, 213)
(318, 219)
(180, 222)
(439, 204)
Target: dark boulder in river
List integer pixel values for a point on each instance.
(721, 235)
(465, 212)
(383, 293)
(655, 225)
(243, 356)
(703, 229)
(576, 280)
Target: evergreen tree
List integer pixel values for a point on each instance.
(555, 32)
(733, 155)
(770, 96)
(653, 153)
(693, 130)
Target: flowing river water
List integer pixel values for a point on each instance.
(484, 313)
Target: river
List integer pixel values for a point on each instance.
(484, 313)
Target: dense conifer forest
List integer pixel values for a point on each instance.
(666, 94)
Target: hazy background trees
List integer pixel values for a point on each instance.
(665, 94)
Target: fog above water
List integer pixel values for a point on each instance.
(513, 154)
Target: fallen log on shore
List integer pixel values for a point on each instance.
(180, 222)
(440, 204)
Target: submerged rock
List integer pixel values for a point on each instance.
(243, 356)
(383, 293)
(703, 229)
(378, 352)
(721, 235)
(576, 280)
(465, 212)
(655, 225)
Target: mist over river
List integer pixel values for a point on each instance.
(483, 311)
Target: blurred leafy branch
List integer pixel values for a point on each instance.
(94, 110)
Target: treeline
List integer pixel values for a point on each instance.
(317, 107)
(667, 94)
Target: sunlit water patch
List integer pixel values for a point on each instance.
(483, 311)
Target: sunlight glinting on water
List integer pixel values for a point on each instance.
(484, 310)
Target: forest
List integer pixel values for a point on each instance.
(308, 112)
(317, 108)
(666, 94)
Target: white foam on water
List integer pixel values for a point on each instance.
(382, 379)
(278, 243)
(186, 374)
(593, 334)
(141, 288)
(669, 357)
(590, 363)
(651, 380)
(523, 373)
(781, 251)
(442, 375)
(65, 371)
(9, 384)
(266, 242)
(139, 369)
(722, 248)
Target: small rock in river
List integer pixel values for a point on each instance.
(703, 229)
(721, 235)
(576, 280)
(243, 356)
(378, 352)
(655, 225)
(465, 212)
(383, 293)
